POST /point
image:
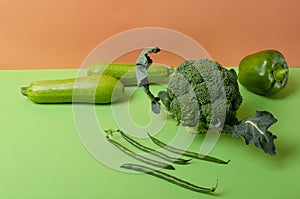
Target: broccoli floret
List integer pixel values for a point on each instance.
(185, 113)
(202, 93)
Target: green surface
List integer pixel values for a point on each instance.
(42, 155)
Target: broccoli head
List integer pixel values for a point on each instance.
(201, 93)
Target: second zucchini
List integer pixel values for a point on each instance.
(127, 72)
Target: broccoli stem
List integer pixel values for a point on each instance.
(155, 105)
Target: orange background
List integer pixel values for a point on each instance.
(36, 34)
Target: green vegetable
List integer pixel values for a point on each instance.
(255, 130)
(190, 95)
(126, 72)
(168, 178)
(187, 153)
(265, 72)
(195, 98)
(88, 89)
(140, 157)
(149, 150)
(142, 64)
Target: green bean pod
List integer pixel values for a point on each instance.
(187, 153)
(150, 150)
(168, 178)
(140, 157)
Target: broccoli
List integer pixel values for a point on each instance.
(194, 87)
(202, 94)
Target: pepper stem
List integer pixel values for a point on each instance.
(279, 72)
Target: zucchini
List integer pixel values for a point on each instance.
(88, 89)
(127, 74)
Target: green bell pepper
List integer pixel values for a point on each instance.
(265, 72)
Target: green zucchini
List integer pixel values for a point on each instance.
(88, 89)
(127, 74)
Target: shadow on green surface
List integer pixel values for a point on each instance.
(291, 88)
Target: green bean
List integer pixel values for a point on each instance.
(168, 178)
(187, 153)
(140, 157)
(150, 150)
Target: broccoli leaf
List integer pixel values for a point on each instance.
(142, 64)
(254, 130)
